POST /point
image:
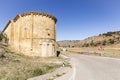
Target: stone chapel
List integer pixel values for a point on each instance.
(32, 33)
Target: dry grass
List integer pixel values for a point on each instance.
(110, 52)
(20, 67)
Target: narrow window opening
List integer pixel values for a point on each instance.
(48, 34)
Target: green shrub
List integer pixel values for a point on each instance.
(104, 42)
(111, 41)
(2, 52)
(3, 37)
(37, 72)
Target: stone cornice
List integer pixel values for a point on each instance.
(30, 13)
(35, 13)
(6, 26)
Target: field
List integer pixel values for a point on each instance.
(15, 66)
(108, 51)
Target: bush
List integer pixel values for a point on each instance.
(85, 45)
(3, 37)
(92, 44)
(37, 72)
(104, 42)
(111, 41)
(108, 34)
(2, 52)
(95, 44)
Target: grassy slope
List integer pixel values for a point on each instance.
(20, 67)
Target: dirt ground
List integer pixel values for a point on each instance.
(108, 51)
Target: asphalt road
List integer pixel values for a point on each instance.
(94, 68)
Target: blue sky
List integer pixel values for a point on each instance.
(77, 19)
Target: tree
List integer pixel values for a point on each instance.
(111, 41)
(95, 44)
(104, 42)
(85, 45)
(92, 44)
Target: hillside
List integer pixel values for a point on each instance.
(16, 66)
(68, 43)
(105, 39)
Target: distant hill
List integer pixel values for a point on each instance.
(105, 39)
(68, 43)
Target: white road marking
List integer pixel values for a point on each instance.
(74, 73)
(74, 70)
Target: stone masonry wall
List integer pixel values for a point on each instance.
(33, 34)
